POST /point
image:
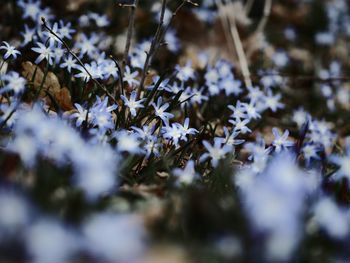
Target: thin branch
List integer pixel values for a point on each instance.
(304, 77)
(248, 6)
(237, 40)
(157, 40)
(266, 15)
(3, 123)
(78, 59)
(130, 32)
(120, 75)
(261, 26)
(228, 37)
(152, 49)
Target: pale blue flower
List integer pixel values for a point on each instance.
(281, 141)
(45, 52)
(187, 175)
(215, 152)
(10, 51)
(132, 103)
(160, 110)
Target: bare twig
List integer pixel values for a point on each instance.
(231, 21)
(248, 6)
(266, 14)
(304, 77)
(157, 40)
(3, 123)
(229, 40)
(152, 49)
(261, 26)
(120, 74)
(78, 59)
(130, 32)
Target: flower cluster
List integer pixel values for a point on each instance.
(110, 132)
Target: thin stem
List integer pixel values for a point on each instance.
(157, 40)
(42, 81)
(227, 33)
(248, 6)
(266, 14)
(241, 56)
(2, 64)
(130, 32)
(120, 75)
(305, 77)
(151, 50)
(237, 41)
(3, 123)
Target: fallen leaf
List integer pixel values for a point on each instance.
(303, 56)
(49, 84)
(166, 253)
(64, 99)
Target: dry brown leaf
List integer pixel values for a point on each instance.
(236, 12)
(3, 69)
(302, 55)
(294, 16)
(166, 253)
(340, 51)
(64, 99)
(163, 174)
(51, 84)
(191, 54)
(75, 5)
(149, 77)
(143, 190)
(240, 14)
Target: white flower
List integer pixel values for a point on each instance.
(10, 50)
(239, 111)
(186, 175)
(172, 132)
(48, 241)
(240, 125)
(66, 31)
(274, 199)
(160, 110)
(44, 53)
(273, 101)
(310, 151)
(70, 63)
(216, 151)
(344, 163)
(53, 35)
(117, 238)
(300, 117)
(101, 20)
(30, 9)
(132, 103)
(81, 115)
(13, 82)
(26, 147)
(185, 73)
(14, 212)
(128, 142)
(333, 219)
(280, 58)
(37, 134)
(130, 77)
(281, 141)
